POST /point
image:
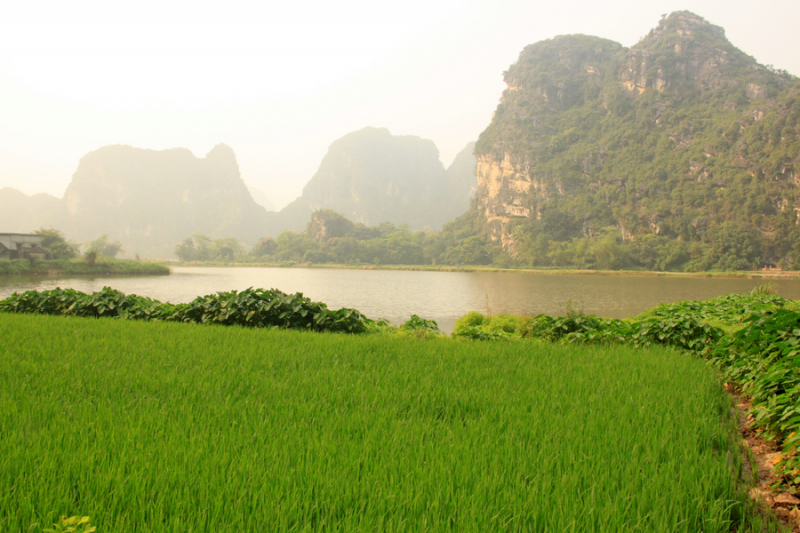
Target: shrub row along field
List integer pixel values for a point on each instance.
(249, 308)
(180, 427)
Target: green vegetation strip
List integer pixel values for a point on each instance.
(179, 427)
(250, 308)
(106, 266)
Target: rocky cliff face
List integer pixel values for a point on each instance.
(371, 176)
(673, 136)
(151, 200)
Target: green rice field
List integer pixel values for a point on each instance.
(166, 427)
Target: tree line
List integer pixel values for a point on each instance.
(56, 246)
(331, 238)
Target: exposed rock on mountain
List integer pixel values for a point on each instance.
(372, 176)
(150, 200)
(682, 136)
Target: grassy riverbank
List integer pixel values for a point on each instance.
(180, 427)
(748, 274)
(103, 267)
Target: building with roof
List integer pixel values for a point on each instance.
(21, 246)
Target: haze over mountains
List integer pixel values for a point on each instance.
(152, 200)
(682, 136)
(371, 176)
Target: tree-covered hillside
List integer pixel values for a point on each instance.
(681, 152)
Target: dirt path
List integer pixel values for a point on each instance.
(783, 505)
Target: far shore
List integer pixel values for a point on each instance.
(77, 267)
(746, 274)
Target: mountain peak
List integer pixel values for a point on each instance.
(686, 23)
(371, 176)
(677, 31)
(222, 152)
(684, 53)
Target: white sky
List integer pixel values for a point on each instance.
(280, 81)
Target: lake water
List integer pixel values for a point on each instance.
(441, 296)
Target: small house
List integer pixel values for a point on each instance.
(21, 246)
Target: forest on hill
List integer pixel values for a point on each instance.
(680, 153)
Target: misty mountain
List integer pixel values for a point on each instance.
(20, 213)
(371, 176)
(260, 197)
(150, 200)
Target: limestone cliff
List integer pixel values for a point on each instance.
(674, 136)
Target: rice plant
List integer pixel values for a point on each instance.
(170, 427)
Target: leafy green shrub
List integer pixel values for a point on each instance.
(556, 328)
(764, 360)
(106, 303)
(478, 333)
(248, 308)
(682, 331)
(506, 323)
(419, 327)
(471, 319)
(53, 302)
(605, 331)
(416, 323)
(264, 308)
(535, 327)
(731, 309)
(476, 326)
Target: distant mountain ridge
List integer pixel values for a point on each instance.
(151, 200)
(371, 176)
(682, 136)
(20, 213)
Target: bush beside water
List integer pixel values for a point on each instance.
(248, 308)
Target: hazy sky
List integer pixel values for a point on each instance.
(280, 81)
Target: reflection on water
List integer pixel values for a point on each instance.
(441, 296)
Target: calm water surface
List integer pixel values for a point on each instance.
(441, 296)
